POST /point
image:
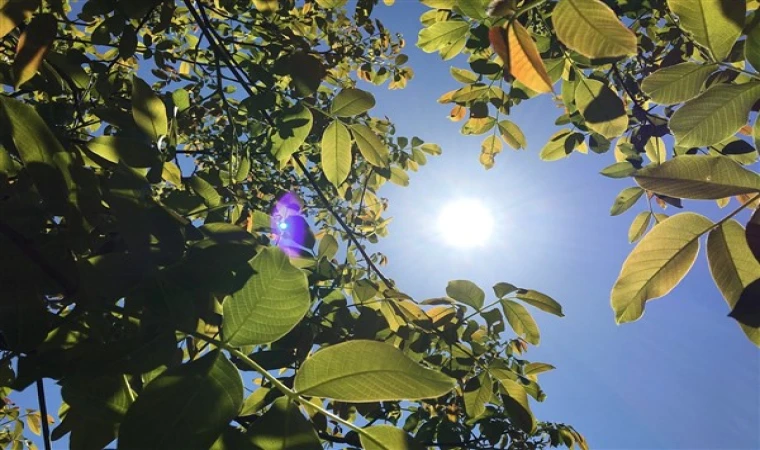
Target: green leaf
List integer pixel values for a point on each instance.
(181, 99)
(290, 131)
(676, 84)
(187, 406)
(331, 4)
(344, 372)
(512, 134)
(490, 147)
(639, 226)
(714, 24)
(44, 158)
(699, 177)
(206, 191)
(733, 266)
(592, 29)
(466, 292)
(336, 153)
(477, 392)
(752, 47)
(603, 111)
(620, 169)
(501, 289)
(715, 115)
(475, 9)
(441, 35)
(328, 247)
(535, 368)
(558, 147)
(148, 110)
(625, 199)
(121, 149)
(352, 102)
(657, 264)
(283, 427)
(388, 437)
(540, 301)
(655, 150)
(463, 75)
(521, 321)
(273, 300)
(370, 146)
(399, 176)
(516, 404)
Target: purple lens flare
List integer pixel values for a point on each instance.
(289, 227)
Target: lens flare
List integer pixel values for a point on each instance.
(288, 225)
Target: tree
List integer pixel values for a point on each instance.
(187, 190)
(673, 83)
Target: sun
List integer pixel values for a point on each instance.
(465, 223)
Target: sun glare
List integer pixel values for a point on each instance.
(465, 223)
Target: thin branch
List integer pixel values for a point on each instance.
(44, 414)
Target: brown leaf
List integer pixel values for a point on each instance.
(32, 47)
(525, 63)
(457, 113)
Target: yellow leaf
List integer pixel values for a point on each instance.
(457, 113)
(592, 29)
(32, 47)
(14, 12)
(525, 63)
(489, 149)
(34, 422)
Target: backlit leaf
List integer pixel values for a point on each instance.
(200, 397)
(370, 145)
(352, 102)
(699, 177)
(639, 226)
(290, 132)
(440, 35)
(273, 300)
(148, 110)
(715, 115)
(525, 63)
(535, 368)
(676, 84)
(557, 147)
(540, 301)
(512, 134)
(33, 45)
(625, 199)
(388, 437)
(521, 321)
(657, 264)
(516, 404)
(345, 372)
(714, 24)
(620, 169)
(490, 147)
(602, 109)
(466, 292)
(336, 153)
(283, 427)
(592, 29)
(477, 392)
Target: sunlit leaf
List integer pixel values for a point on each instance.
(283, 427)
(441, 35)
(657, 264)
(352, 102)
(477, 392)
(602, 109)
(370, 145)
(388, 437)
(592, 29)
(676, 84)
(698, 177)
(336, 152)
(148, 110)
(540, 301)
(714, 24)
(490, 147)
(516, 404)
(535, 368)
(345, 372)
(521, 321)
(625, 199)
(524, 61)
(466, 292)
(291, 131)
(639, 226)
(620, 169)
(558, 146)
(273, 300)
(512, 134)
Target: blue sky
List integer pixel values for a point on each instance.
(683, 377)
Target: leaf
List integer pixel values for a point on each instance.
(699, 177)
(524, 62)
(15, 12)
(33, 45)
(328, 246)
(463, 75)
(352, 102)
(466, 292)
(477, 392)
(331, 4)
(639, 226)
(121, 149)
(388, 437)
(206, 191)
(512, 134)
(657, 264)
(181, 99)
(751, 47)
(714, 24)
(148, 110)
(501, 289)
(441, 35)
(336, 153)
(521, 321)
(490, 147)
(715, 115)
(603, 111)
(747, 311)
(44, 158)
(290, 131)
(399, 177)
(753, 234)
(676, 84)
(540, 301)
(535, 368)
(592, 29)
(283, 427)
(620, 169)
(557, 147)
(370, 146)
(516, 404)
(655, 150)
(344, 372)
(625, 199)
(34, 422)
(733, 267)
(270, 304)
(187, 406)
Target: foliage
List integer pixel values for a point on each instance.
(187, 191)
(672, 83)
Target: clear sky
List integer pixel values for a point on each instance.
(683, 377)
